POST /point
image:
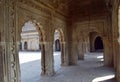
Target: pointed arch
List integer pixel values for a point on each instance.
(60, 43)
(41, 33)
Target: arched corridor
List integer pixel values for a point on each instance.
(87, 48)
(89, 70)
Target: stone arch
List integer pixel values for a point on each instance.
(37, 25)
(62, 45)
(61, 34)
(106, 51)
(93, 35)
(41, 34)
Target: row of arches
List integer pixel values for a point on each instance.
(57, 44)
(24, 46)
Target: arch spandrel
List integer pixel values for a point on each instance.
(60, 30)
(24, 19)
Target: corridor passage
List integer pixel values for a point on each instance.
(89, 70)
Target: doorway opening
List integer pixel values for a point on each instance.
(97, 47)
(95, 60)
(57, 45)
(57, 50)
(29, 53)
(98, 44)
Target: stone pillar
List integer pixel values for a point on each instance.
(74, 55)
(118, 65)
(2, 53)
(87, 44)
(10, 51)
(115, 29)
(116, 36)
(63, 54)
(43, 66)
(2, 43)
(49, 58)
(67, 44)
(81, 48)
(81, 51)
(47, 49)
(108, 57)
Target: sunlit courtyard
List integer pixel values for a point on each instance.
(30, 65)
(89, 70)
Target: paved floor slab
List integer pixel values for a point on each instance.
(89, 70)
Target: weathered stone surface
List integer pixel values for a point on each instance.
(78, 21)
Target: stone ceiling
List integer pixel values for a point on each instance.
(87, 6)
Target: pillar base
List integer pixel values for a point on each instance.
(48, 74)
(80, 58)
(65, 64)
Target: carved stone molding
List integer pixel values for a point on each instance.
(12, 43)
(43, 7)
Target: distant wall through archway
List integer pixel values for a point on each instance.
(98, 43)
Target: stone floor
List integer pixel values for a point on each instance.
(30, 65)
(89, 70)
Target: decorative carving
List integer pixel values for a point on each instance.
(12, 43)
(57, 4)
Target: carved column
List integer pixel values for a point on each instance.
(2, 43)
(48, 58)
(12, 60)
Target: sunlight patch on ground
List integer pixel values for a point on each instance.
(100, 57)
(104, 78)
(26, 57)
